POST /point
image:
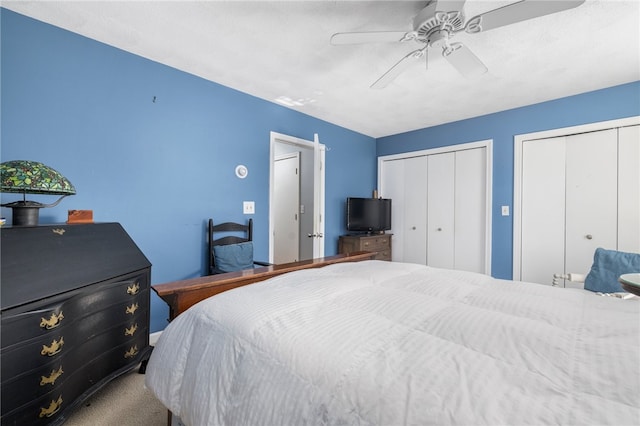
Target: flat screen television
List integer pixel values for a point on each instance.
(368, 214)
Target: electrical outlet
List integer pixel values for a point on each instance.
(505, 210)
(248, 207)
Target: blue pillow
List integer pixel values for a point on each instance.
(607, 267)
(233, 257)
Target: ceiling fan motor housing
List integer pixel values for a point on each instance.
(434, 26)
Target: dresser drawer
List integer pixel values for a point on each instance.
(374, 244)
(45, 406)
(115, 345)
(383, 255)
(19, 325)
(36, 383)
(93, 334)
(45, 409)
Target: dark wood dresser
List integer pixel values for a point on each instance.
(379, 243)
(75, 315)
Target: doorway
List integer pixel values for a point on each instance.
(287, 208)
(310, 203)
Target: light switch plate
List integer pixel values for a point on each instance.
(505, 210)
(248, 207)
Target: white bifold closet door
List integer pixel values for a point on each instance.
(405, 183)
(543, 199)
(470, 243)
(439, 208)
(591, 199)
(629, 188)
(579, 192)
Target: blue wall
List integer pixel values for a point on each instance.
(159, 168)
(162, 168)
(607, 104)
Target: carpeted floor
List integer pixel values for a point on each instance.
(123, 402)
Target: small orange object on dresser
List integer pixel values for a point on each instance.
(80, 216)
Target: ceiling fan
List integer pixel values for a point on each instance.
(436, 24)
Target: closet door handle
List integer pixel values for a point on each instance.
(589, 237)
(439, 229)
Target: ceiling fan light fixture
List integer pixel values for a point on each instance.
(290, 102)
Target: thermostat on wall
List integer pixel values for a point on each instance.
(242, 171)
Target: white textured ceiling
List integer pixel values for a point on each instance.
(281, 49)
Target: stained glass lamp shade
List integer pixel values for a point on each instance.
(30, 177)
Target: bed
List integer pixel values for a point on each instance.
(387, 343)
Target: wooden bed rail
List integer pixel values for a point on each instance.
(181, 295)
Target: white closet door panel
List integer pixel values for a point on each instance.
(591, 212)
(629, 189)
(440, 210)
(543, 209)
(470, 208)
(393, 186)
(415, 207)
(286, 227)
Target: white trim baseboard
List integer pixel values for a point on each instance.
(153, 337)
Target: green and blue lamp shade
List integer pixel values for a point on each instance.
(31, 177)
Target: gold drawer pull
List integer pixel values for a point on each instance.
(132, 309)
(131, 330)
(134, 289)
(52, 408)
(54, 348)
(52, 322)
(131, 352)
(52, 377)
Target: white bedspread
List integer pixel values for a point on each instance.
(382, 343)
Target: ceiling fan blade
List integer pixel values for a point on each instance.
(518, 12)
(368, 37)
(464, 60)
(399, 68)
(451, 5)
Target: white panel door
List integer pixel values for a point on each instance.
(404, 181)
(286, 231)
(470, 207)
(440, 210)
(393, 186)
(415, 208)
(543, 210)
(591, 197)
(629, 189)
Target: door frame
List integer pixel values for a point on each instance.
(518, 142)
(318, 188)
(488, 145)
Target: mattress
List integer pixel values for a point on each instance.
(387, 343)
